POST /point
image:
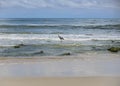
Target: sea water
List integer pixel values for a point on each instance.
(41, 34)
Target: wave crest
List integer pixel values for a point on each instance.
(114, 26)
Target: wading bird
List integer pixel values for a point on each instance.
(60, 37)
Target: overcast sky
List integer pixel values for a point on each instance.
(59, 8)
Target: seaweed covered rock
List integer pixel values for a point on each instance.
(18, 46)
(114, 49)
(66, 54)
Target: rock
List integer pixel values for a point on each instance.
(114, 49)
(16, 46)
(112, 41)
(65, 54)
(41, 52)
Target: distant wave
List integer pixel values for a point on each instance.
(109, 26)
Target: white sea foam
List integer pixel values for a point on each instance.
(69, 37)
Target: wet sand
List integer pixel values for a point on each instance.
(83, 70)
(74, 81)
(66, 66)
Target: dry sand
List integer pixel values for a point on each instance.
(83, 81)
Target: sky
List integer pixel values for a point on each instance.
(59, 8)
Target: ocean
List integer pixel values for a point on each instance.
(39, 36)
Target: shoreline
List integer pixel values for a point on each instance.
(81, 57)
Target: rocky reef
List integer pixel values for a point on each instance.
(114, 49)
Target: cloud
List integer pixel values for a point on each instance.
(59, 3)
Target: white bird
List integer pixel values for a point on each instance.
(60, 37)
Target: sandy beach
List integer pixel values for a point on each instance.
(83, 81)
(61, 66)
(83, 70)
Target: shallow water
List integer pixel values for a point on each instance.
(81, 35)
